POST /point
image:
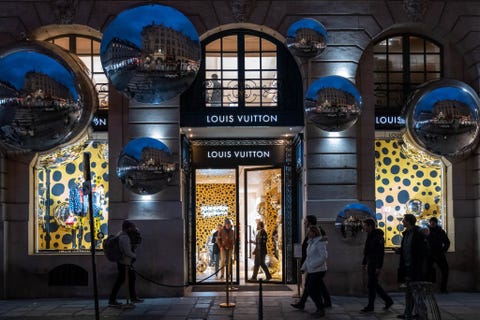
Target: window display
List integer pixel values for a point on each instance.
(61, 211)
(406, 181)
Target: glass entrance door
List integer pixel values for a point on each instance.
(263, 206)
(215, 201)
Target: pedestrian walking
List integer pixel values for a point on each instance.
(439, 244)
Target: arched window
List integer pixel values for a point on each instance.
(88, 50)
(400, 64)
(244, 71)
(407, 179)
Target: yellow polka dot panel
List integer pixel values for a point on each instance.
(214, 203)
(62, 206)
(401, 181)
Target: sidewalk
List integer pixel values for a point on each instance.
(206, 305)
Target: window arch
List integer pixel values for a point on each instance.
(401, 62)
(245, 69)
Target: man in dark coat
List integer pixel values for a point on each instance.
(439, 244)
(260, 252)
(372, 263)
(414, 255)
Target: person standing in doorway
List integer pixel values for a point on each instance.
(216, 97)
(372, 263)
(260, 252)
(311, 220)
(128, 239)
(226, 242)
(439, 244)
(215, 247)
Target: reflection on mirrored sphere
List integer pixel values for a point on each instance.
(46, 98)
(415, 207)
(333, 103)
(145, 166)
(151, 53)
(442, 117)
(307, 38)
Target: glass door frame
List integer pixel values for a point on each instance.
(245, 218)
(193, 248)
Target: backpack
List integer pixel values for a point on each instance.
(111, 248)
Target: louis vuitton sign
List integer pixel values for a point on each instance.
(239, 155)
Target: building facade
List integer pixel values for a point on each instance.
(250, 156)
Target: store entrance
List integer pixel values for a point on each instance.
(245, 195)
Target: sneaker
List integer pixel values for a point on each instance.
(137, 300)
(367, 309)
(388, 305)
(298, 306)
(114, 303)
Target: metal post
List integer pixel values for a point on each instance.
(87, 189)
(227, 304)
(260, 299)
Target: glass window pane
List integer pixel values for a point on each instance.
(229, 43)
(380, 98)
(416, 44)
(417, 77)
(380, 62)
(395, 77)
(430, 47)
(97, 64)
(63, 42)
(416, 62)
(87, 61)
(269, 62)
(230, 63)
(96, 47)
(433, 75)
(213, 46)
(380, 47)
(268, 45)
(212, 62)
(252, 74)
(252, 62)
(252, 43)
(379, 77)
(252, 97)
(395, 45)
(269, 75)
(433, 62)
(84, 45)
(230, 74)
(395, 62)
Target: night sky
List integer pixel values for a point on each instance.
(335, 82)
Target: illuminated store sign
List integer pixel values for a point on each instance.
(226, 155)
(242, 119)
(387, 120)
(100, 120)
(211, 211)
(233, 117)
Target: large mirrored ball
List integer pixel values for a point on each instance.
(46, 98)
(333, 103)
(443, 118)
(307, 38)
(145, 166)
(415, 207)
(151, 53)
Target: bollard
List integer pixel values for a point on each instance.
(260, 299)
(129, 304)
(227, 304)
(425, 303)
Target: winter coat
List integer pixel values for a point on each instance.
(317, 255)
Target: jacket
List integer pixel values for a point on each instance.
(226, 239)
(125, 244)
(419, 251)
(438, 240)
(374, 250)
(317, 255)
(261, 242)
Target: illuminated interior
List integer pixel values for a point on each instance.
(61, 208)
(406, 176)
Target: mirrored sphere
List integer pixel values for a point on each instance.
(307, 38)
(333, 103)
(151, 53)
(46, 97)
(145, 166)
(415, 207)
(442, 117)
